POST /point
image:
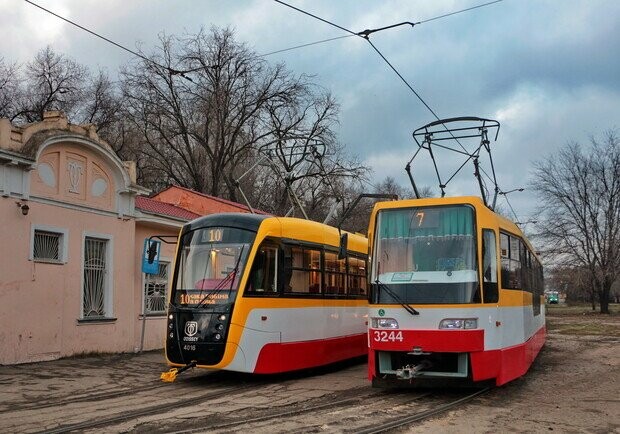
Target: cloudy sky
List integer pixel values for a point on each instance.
(549, 71)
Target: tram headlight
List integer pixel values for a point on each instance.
(219, 327)
(217, 336)
(170, 316)
(171, 335)
(222, 318)
(458, 323)
(384, 323)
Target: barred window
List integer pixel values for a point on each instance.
(47, 246)
(95, 290)
(156, 289)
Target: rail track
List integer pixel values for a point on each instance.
(374, 413)
(332, 400)
(361, 410)
(147, 410)
(206, 378)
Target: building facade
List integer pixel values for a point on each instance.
(72, 227)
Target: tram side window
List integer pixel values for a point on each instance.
(264, 275)
(537, 286)
(504, 246)
(357, 276)
(335, 274)
(489, 269)
(511, 263)
(302, 270)
(526, 271)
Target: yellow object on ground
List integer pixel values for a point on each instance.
(170, 376)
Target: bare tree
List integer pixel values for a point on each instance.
(579, 193)
(101, 103)
(53, 82)
(9, 88)
(205, 127)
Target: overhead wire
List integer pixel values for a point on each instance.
(458, 12)
(108, 40)
(365, 34)
(172, 71)
(305, 45)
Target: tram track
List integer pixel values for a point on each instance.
(76, 398)
(87, 397)
(368, 411)
(145, 411)
(349, 415)
(290, 412)
(408, 420)
(233, 404)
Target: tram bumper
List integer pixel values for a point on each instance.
(413, 354)
(196, 336)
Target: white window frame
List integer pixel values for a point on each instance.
(143, 311)
(63, 244)
(108, 295)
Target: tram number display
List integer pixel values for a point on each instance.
(215, 235)
(189, 347)
(387, 336)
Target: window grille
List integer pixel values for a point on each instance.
(46, 246)
(156, 290)
(95, 277)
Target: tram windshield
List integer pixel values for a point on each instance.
(425, 255)
(210, 264)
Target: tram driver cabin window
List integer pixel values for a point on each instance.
(264, 274)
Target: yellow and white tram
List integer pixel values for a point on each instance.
(455, 294)
(261, 294)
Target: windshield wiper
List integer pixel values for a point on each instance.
(396, 298)
(220, 286)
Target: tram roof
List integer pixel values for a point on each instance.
(474, 201)
(287, 227)
(228, 219)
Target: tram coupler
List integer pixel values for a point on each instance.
(171, 375)
(408, 372)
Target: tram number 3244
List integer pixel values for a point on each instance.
(385, 336)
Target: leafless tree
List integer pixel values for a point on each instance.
(52, 82)
(9, 88)
(101, 105)
(205, 127)
(579, 196)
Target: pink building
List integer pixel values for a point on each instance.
(72, 230)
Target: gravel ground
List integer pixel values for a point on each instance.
(573, 386)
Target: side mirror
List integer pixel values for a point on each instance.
(342, 250)
(152, 252)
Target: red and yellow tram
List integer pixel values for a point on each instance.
(456, 294)
(261, 294)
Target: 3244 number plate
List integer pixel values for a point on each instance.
(387, 336)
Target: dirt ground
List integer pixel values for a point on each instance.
(573, 387)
